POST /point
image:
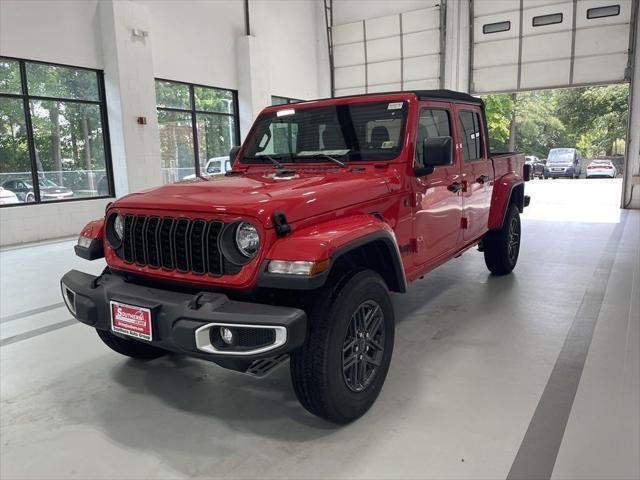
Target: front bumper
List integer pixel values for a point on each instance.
(600, 173)
(182, 322)
(566, 173)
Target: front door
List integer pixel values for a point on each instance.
(477, 173)
(437, 197)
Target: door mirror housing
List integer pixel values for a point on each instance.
(436, 151)
(233, 153)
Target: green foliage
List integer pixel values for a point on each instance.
(593, 119)
(214, 132)
(67, 135)
(499, 110)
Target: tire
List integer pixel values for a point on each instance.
(130, 348)
(29, 198)
(502, 247)
(321, 382)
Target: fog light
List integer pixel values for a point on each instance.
(84, 242)
(227, 335)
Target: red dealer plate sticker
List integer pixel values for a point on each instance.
(131, 320)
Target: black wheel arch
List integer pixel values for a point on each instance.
(516, 197)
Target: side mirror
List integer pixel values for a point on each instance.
(436, 151)
(233, 153)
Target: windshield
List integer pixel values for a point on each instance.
(561, 155)
(360, 131)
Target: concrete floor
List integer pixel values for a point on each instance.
(486, 373)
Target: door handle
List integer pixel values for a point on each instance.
(455, 187)
(482, 179)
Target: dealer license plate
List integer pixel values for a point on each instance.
(131, 320)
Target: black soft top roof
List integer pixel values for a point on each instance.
(441, 94)
(447, 95)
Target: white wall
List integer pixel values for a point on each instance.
(191, 41)
(61, 31)
(279, 24)
(631, 188)
(194, 41)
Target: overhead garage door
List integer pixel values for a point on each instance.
(396, 52)
(549, 43)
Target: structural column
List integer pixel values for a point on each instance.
(130, 94)
(457, 46)
(631, 187)
(254, 85)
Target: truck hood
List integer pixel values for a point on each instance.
(258, 194)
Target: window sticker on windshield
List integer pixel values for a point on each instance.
(310, 153)
(388, 144)
(283, 113)
(394, 106)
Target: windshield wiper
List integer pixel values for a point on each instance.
(268, 157)
(323, 155)
(282, 170)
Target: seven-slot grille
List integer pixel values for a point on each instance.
(182, 244)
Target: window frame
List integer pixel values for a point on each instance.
(547, 19)
(101, 102)
(477, 117)
(422, 108)
(193, 111)
(487, 30)
(593, 13)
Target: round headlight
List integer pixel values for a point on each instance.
(118, 226)
(114, 230)
(247, 239)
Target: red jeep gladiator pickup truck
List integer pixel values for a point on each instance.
(330, 206)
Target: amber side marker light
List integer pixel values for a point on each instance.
(297, 267)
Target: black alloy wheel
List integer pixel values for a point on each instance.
(363, 347)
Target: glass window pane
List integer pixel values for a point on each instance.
(10, 76)
(176, 146)
(215, 138)
(470, 133)
(15, 165)
(279, 100)
(432, 123)
(61, 82)
(213, 100)
(172, 95)
(70, 152)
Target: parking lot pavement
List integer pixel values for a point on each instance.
(582, 200)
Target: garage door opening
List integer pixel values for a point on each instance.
(575, 140)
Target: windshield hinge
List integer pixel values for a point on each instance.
(280, 223)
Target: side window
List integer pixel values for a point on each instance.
(432, 123)
(469, 124)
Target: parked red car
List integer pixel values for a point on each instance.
(330, 206)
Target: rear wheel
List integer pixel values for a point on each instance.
(502, 247)
(130, 348)
(339, 372)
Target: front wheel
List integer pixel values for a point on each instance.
(502, 247)
(339, 371)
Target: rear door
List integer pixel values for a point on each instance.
(437, 205)
(476, 170)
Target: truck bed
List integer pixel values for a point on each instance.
(508, 162)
